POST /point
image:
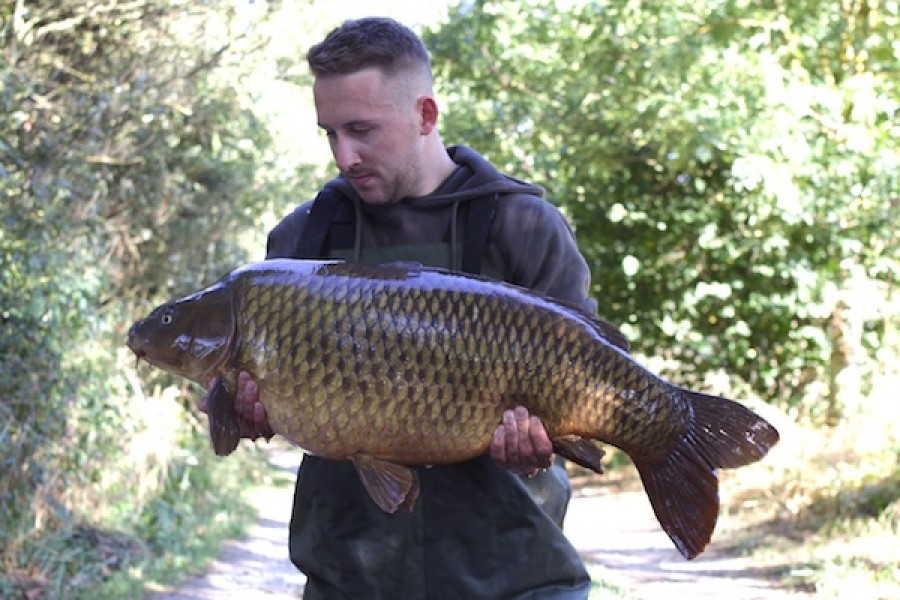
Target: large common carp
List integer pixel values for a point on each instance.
(402, 365)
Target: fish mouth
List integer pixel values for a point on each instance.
(139, 352)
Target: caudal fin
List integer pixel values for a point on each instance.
(683, 486)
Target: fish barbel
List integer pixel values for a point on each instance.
(399, 365)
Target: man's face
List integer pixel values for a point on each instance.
(374, 131)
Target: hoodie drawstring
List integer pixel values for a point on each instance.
(455, 258)
(357, 230)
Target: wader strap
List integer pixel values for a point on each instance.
(313, 241)
(328, 228)
(477, 228)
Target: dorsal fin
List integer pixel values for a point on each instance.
(608, 331)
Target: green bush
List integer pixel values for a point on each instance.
(731, 170)
(123, 160)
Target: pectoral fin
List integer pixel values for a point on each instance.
(390, 485)
(223, 426)
(580, 450)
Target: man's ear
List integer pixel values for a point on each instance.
(428, 114)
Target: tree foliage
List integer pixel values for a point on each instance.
(124, 155)
(730, 167)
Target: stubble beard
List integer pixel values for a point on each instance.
(403, 183)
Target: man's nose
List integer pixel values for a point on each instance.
(345, 153)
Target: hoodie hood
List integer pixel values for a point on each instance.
(474, 177)
(529, 241)
(416, 221)
(430, 229)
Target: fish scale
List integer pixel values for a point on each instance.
(382, 329)
(395, 365)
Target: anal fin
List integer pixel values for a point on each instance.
(390, 485)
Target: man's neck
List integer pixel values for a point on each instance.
(441, 166)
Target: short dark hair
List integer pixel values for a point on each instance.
(369, 42)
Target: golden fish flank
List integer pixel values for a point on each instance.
(392, 366)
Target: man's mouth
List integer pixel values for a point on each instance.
(361, 178)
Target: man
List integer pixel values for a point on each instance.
(402, 195)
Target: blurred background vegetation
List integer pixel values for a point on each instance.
(731, 167)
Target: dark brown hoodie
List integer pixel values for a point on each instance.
(530, 243)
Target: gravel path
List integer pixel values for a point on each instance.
(620, 540)
(615, 531)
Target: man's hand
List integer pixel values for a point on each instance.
(251, 414)
(521, 443)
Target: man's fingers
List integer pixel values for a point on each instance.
(247, 396)
(512, 438)
(498, 445)
(525, 449)
(250, 414)
(261, 421)
(520, 443)
(241, 394)
(243, 379)
(259, 416)
(542, 444)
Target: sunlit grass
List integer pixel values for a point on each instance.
(152, 510)
(605, 585)
(824, 506)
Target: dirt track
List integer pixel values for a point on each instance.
(614, 530)
(622, 544)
